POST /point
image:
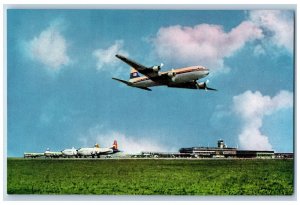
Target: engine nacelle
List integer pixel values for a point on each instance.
(171, 74)
(203, 85)
(156, 68)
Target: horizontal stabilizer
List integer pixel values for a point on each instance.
(130, 84)
(123, 81)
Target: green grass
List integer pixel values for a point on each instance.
(150, 177)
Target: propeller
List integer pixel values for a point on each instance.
(208, 88)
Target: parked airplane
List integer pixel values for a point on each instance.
(97, 151)
(175, 78)
(33, 155)
(51, 154)
(69, 152)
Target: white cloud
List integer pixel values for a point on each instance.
(106, 57)
(127, 144)
(277, 26)
(252, 107)
(50, 48)
(203, 44)
(209, 45)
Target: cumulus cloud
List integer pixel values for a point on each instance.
(49, 48)
(251, 107)
(128, 144)
(209, 45)
(277, 26)
(106, 57)
(203, 44)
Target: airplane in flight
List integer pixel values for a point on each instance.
(97, 151)
(176, 78)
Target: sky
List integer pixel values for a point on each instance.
(60, 93)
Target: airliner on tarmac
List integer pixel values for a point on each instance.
(176, 78)
(96, 151)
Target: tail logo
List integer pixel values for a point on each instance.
(134, 73)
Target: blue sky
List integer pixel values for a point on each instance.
(60, 91)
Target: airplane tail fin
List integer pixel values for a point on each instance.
(134, 73)
(115, 145)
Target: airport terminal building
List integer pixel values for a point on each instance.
(221, 151)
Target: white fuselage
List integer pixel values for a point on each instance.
(69, 152)
(52, 154)
(180, 75)
(94, 151)
(33, 155)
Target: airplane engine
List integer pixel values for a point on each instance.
(172, 75)
(203, 85)
(157, 67)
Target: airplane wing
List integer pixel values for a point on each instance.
(151, 72)
(191, 85)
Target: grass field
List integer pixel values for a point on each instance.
(150, 177)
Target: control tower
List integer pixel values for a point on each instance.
(221, 144)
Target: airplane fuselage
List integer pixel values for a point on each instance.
(176, 78)
(69, 152)
(33, 155)
(180, 75)
(94, 151)
(52, 154)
